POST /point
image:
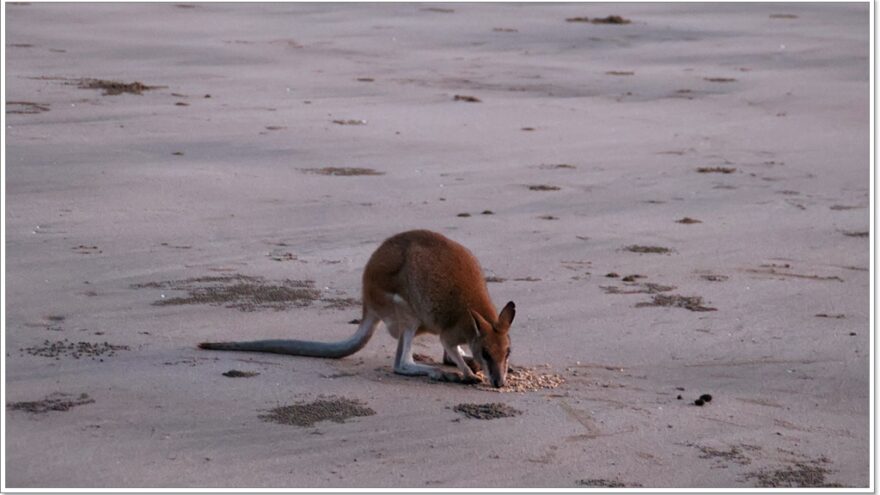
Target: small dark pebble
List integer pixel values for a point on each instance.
(464, 215)
(852, 333)
(612, 275)
(488, 212)
(469, 99)
(706, 398)
(354, 322)
(699, 402)
(679, 397)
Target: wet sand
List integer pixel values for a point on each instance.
(239, 187)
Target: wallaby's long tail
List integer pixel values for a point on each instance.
(304, 347)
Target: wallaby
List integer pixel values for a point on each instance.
(419, 282)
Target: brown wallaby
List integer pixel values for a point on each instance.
(419, 282)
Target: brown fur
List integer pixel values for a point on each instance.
(421, 282)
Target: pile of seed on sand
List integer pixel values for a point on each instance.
(520, 379)
(326, 409)
(493, 410)
(76, 350)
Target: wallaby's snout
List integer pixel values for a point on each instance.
(498, 381)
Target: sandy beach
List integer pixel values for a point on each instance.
(676, 199)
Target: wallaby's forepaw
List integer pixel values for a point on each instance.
(454, 377)
(471, 362)
(471, 379)
(444, 376)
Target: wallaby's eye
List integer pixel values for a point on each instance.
(486, 356)
(508, 352)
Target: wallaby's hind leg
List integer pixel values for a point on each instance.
(405, 365)
(471, 362)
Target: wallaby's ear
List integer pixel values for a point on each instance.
(506, 316)
(480, 324)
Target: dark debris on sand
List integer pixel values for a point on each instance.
(306, 414)
(543, 187)
(246, 293)
(691, 303)
(647, 249)
(733, 454)
(611, 19)
(810, 474)
(688, 221)
(26, 107)
(111, 88)
(240, 374)
(605, 483)
(492, 410)
(54, 402)
(716, 170)
(646, 288)
(75, 350)
(342, 171)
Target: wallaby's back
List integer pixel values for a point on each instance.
(438, 278)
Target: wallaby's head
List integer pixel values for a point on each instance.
(491, 347)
